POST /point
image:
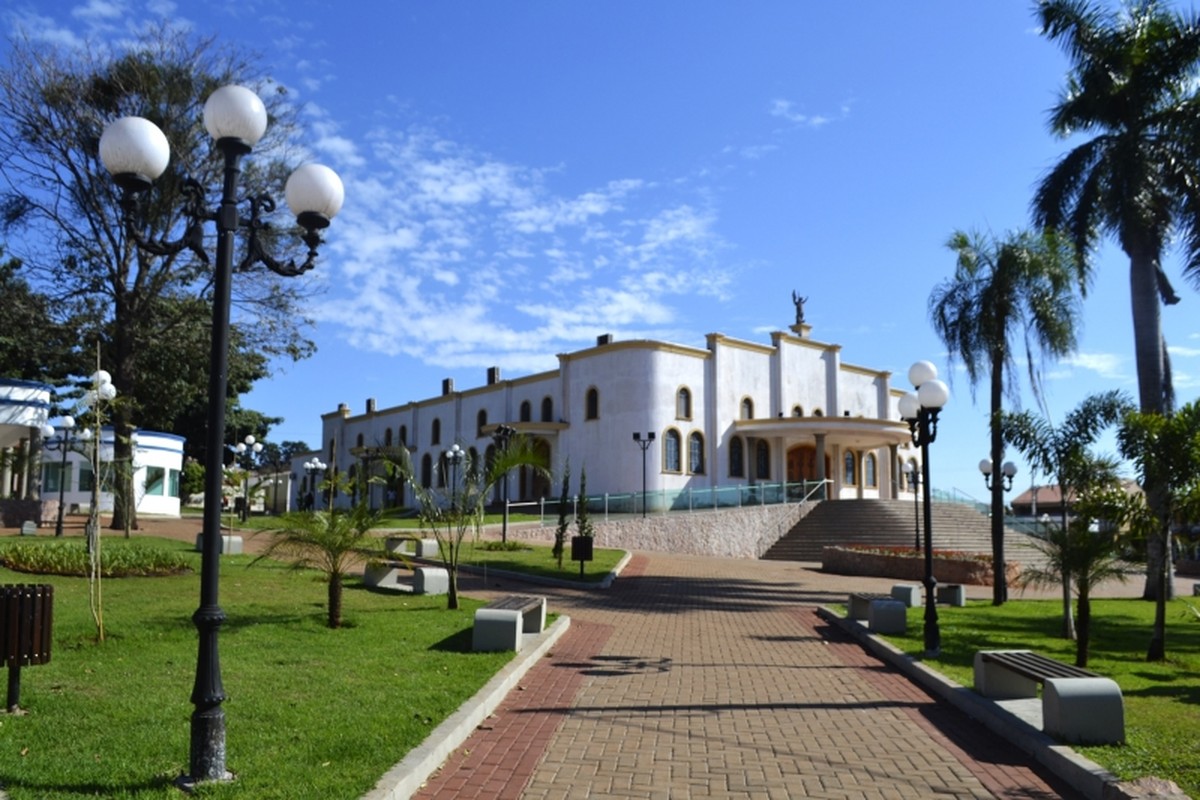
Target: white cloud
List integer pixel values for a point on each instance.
(1106, 365)
(1184, 352)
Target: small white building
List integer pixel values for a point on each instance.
(731, 417)
(157, 462)
(24, 407)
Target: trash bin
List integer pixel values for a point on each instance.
(26, 617)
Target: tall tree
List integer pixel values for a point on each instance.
(1023, 288)
(55, 193)
(34, 343)
(1132, 88)
(1063, 452)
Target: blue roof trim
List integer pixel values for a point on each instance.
(24, 384)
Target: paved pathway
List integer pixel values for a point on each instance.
(705, 678)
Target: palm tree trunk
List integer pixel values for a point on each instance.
(1152, 388)
(999, 568)
(1158, 639)
(1068, 629)
(1085, 626)
(335, 600)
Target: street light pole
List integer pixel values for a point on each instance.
(248, 450)
(914, 478)
(645, 445)
(454, 457)
(920, 410)
(63, 443)
(997, 489)
(135, 151)
(313, 466)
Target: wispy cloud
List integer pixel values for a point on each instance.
(787, 110)
(1106, 365)
(450, 255)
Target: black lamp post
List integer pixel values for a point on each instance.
(314, 466)
(1007, 473)
(247, 451)
(63, 442)
(135, 151)
(502, 436)
(454, 457)
(914, 480)
(920, 410)
(645, 445)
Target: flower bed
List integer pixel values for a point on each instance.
(949, 566)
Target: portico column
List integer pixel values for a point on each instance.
(893, 472)
(820, 437)
(6, 458)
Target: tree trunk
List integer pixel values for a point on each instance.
(1068, 629)
(1158, 639)
(1152, 388)
(335, 600)
(1084, 628)
(999, 568)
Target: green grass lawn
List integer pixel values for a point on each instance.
(1162, 700)
(311, 712)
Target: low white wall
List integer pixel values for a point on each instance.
(733, 533)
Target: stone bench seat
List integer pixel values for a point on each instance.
(500, 624)
(1078, 706)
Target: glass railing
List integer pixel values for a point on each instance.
(664, 501)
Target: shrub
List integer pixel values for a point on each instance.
(71, 558)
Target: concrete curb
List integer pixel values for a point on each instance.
(1086, 776)
(405, 778)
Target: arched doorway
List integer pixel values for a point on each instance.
(533, 486)
(802, 464)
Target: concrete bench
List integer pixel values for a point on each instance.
(887, 616)
(500, 624)
(907, 593)
(952, 594)
(1078, 705)
(860, 604)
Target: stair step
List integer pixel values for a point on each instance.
(894, 523)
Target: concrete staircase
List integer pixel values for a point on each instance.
(893, 523)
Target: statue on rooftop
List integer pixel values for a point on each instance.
(799, 301)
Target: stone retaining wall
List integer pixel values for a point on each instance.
(734, 533)
(973, 571)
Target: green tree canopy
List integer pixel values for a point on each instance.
(63, 213)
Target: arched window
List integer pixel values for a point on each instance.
(387, 437)
(526, 411)
(683, 403)
(747, 408)
(404, 434)
(480, 422)
(358, 442)
(762, 460)
(870, 479)
(331, 446)
(592, 403)
(818, 412)
(442, 468)
(850, 468)
(901, 478)
(426, 471)
(737, 458)
(547, 410)
(797, 411)
(471, 465)
(696, 453)
(435, 432)
(672, 461)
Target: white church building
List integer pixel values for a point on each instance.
(728, 420)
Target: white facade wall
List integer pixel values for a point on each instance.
(157, 462)
(637, 385)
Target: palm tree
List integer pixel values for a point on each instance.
(458, 507)
(1089, 556)
(330, 541)
(1024, 287)
(1132, 87)
(1062, 452)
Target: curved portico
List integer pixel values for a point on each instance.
(815, 448)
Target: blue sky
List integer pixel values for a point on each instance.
(523, 176)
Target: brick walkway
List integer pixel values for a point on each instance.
(703, 678)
